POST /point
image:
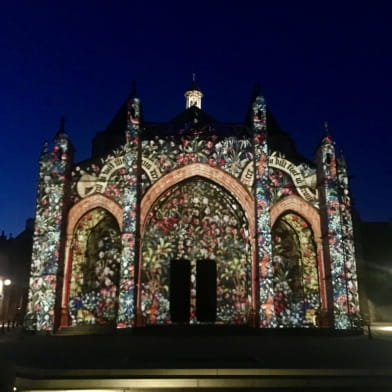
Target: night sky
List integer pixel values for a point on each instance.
(315, 61)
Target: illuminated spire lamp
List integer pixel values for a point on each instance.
(193, 95)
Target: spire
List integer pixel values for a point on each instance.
(62, 125)
(193, 95)
(256, 92)
(327, 136)
(326, 128)
(133, 114)
(61, 132)
(342, 160)
(45, 145)
(259, 114)
(62, 144)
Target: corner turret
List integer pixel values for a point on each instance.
(48, 249)
(339, 251)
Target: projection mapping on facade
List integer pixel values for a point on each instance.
(193, 221)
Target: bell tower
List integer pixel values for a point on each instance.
(193, 95)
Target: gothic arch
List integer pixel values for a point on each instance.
(299, 206)
(75, 214)
(87, 204)
(232, 185)
(228, 182)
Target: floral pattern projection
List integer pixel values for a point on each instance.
(126, 312)
(340, 238)
(89, 178)
(54, 168)
(117, 183)
(95, 269)
(296, 284)
(194, 220)
(115, 177)
(280, 185)
(263, 204)
(229, 154)
(348, 241)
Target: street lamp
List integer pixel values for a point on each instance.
(3, 282)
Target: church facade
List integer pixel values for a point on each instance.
(193, 221)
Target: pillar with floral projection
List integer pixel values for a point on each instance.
(350, 267)
(47, 253)
(336, 245)
(130, 238)
(262, 200)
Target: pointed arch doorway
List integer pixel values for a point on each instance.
(196, 221)
(94, 272)
(297, 298)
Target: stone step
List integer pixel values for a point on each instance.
(84, 329)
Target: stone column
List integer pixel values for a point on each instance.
(131, 207)
(263, 219)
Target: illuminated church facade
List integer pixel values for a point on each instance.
(193, 221)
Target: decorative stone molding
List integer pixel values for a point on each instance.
(311, 215)
(230, 183)
(75, 214)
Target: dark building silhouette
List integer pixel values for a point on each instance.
(15, 260)
(376, 241)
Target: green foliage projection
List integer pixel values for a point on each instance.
(196, 220)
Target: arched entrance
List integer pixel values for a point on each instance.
(76, 215)
(94, 278)
(296, 279)
(196, 221)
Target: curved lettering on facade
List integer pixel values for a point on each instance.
(305, 184)
(89, 184)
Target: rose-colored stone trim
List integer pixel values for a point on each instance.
(218, 176)
(77, 211)
(298, 205)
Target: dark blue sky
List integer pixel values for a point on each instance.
(315, 61)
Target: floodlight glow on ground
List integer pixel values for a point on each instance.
(385, 328)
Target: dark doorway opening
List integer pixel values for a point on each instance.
(180, 290)
(206, 290)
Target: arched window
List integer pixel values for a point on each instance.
(295, 280)
(96, 252)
